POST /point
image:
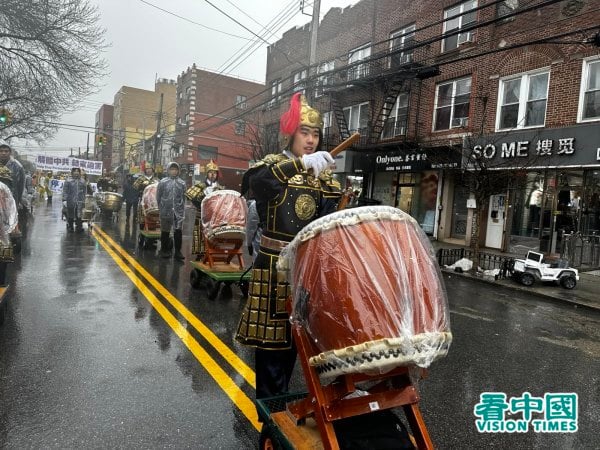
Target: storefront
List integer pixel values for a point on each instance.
(408, 179)
(555, 187)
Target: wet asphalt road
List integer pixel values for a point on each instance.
(87, 361)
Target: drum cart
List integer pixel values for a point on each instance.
(308, 420)
(212, 278)
(149, 229)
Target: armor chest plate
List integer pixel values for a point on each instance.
(295, 208)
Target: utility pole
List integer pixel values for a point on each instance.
(157, 135)
(87, 151)
(314, 30)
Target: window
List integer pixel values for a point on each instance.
(240, 127)
(357, 116)
(395, 124)
(298, 80)
(186, 119)
(327, 123)
(522, 101)
(276, 88)
(360, 70)
(589, 103)
(240, 102)
(207, 152)
(507, 7)
(324, 80)
(458, 23)
(399, 40)
(452, 100)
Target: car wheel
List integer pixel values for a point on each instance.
(527, 279)
(568, 281)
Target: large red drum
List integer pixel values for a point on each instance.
(223, 215)
(149, 202)
(367, 288)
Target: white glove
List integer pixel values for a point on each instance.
(318, 162)
(64, 204)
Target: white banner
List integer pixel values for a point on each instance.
(57, 164)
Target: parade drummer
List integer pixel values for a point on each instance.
(291, 189)
(131, 196)
(170, 196)
(195, 194)
(74, 191)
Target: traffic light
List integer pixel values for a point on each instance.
(5, 116)
(100, 140)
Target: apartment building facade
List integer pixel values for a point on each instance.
(206, 102)
(430, 85)
(103, 137)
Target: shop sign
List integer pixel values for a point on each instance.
(415, 160)
(543, 148)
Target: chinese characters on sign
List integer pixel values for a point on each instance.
(66, 164)
(553, 413)
(523, 149)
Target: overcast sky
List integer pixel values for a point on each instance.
(146, 43)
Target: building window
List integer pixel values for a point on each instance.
(589, 103)
(357, 117)
(207, 152)
(240, 102)
(240, 127)
(507, 7)
(522, 101)
(395, 124)
(324, 80)
(327, 123)
(452, 100)
(399, 40)
(457, 23)
(359, 70)
(186, 119)
(299, 77)
(276, 88)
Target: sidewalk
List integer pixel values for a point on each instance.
(586, 294)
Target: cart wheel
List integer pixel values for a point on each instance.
(212, 288)
(195, 278)
(142, 241)
(244, 287)
(17, 244)
(568, 281)
(527, 279)
(267, 439)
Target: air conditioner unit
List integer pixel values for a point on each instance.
(460, 122)
(465, 38)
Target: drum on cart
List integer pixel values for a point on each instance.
(367, 288)
(109, 201)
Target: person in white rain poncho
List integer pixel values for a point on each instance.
(171, 204)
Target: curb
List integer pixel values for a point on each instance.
(577, 303)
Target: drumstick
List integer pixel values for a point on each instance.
(345, 144)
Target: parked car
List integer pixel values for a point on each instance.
(533, 268)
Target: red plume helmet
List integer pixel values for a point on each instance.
(291, 118)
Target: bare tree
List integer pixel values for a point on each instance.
(264, 139)
(50, 59)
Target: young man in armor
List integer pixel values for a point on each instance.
(291, 189)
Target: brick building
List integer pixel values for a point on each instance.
(103, 138)
(433, 85)
(135, 119)
(205, 100)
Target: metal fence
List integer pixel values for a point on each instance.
(581, 250)
(487, 261)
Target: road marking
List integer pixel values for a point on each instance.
(229, 355)
(233, 391)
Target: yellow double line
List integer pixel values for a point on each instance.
(233, 391)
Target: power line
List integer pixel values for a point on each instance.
(195, 23)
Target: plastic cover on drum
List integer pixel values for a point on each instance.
(224, 210)
(8, 214)
(367, 288)
(149, 202)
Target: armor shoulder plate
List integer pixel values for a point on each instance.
(273, 159)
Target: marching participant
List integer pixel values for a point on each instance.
(171, 204)
(291, 190)
(195, 194)
(17, 171)
(74, 191)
